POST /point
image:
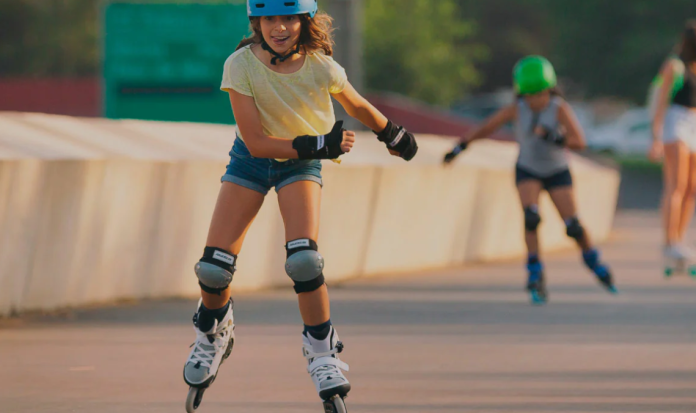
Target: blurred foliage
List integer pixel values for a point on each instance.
(420, 48)
(616, 47)
(599, 47)
(434, 50)
(48, 37)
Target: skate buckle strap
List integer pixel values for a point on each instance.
(326, 362)
(206, 356)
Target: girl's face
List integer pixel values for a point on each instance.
(281, 32)
(538, 101)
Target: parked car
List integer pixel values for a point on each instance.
(630, 134)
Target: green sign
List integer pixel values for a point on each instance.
(165, 61)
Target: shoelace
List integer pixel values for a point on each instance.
(215, 342)
(327, 371)
(323, 373)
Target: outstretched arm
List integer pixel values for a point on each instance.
(493, 123)
(359, 108)
(490, 125)
(398, 140)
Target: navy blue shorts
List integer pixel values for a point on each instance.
(557, 180)
(260, 174)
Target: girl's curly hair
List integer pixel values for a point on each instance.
(316, 34)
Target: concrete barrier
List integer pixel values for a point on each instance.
(94, 210)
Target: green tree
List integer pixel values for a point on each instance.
(615, 47)
(420, 48)
(511, 29)
(48, 37)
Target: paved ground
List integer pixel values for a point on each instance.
(461, 340)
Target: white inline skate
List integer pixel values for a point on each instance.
(678, 260)
(209, 351)
(325, 367)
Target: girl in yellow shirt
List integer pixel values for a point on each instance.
(280, 82)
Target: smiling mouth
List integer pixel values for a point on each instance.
(280, 40)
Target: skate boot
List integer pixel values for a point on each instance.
(214, 341)
(673, 259)
(536, 285)
(689, 259)
(678, 259)
(324, 367)
(601, 270)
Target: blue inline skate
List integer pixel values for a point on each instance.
(535, 283)
(600, 270)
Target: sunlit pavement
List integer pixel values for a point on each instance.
(458, 340)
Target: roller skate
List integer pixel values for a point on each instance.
(325, 367)
(600, 270)
(678, 260)
(536, 285)
(214, 341)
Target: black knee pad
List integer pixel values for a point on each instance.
(532, 219)
(304, 265)
(215, 270)
(574, 229)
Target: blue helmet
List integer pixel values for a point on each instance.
(257, 8)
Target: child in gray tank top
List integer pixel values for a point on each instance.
(545, 127)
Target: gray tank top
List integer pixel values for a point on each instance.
(537, 156)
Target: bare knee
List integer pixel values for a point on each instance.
(674, 194)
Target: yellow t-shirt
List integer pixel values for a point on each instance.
(292, 104)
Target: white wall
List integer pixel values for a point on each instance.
(95, 210)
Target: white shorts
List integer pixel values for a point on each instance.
(680, 124)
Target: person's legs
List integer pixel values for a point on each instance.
(529, 191)
(300, 204)
(563, 198)
(235, 210)
(676, 178)
(214, 321)
(689, 199)
(529, 188)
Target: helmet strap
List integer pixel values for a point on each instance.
(277, 56)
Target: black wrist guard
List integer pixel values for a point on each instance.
(322, 146)
(554, 137)
(397, 138)
(449, 157)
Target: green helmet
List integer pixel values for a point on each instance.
(533, 74)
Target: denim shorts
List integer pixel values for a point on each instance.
(680, 124)
(260, 174)
(555, 180)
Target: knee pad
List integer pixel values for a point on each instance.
(574, 229)
(532, 219)
(215, 270)
(304, 265)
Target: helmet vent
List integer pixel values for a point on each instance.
(290, 3)
(260, 5)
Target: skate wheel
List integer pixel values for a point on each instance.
(612, 289)
(335, 404)
(194, 399)
(692, 272)
(669, 272)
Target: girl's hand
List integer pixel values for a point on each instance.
(398, 140)
(394, 153)
(657, 150)
(348, 141)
